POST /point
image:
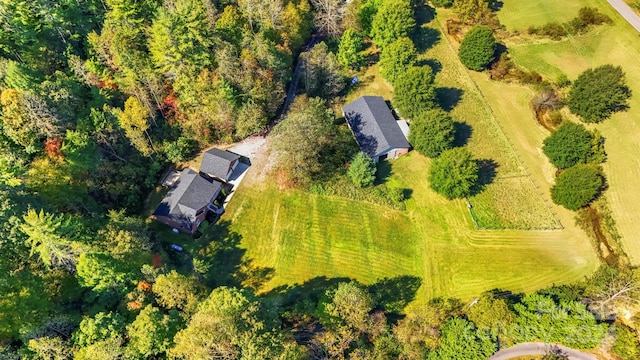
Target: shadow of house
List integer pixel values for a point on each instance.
(188, 202)
(375, 129)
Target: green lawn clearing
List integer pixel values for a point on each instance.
(302, 236)
(618, 44)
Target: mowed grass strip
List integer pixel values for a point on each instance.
(302, 236)
(618, 44)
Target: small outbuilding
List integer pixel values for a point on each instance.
(188, 202)
(219, 164)
(376, 131)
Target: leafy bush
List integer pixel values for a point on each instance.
(569, 145)
(454, 173)
(626, 345)
(553, 30)
(577, 186)
(478, 48)
(414, 92)
(597, 93)
(362, 170)
(432, 132)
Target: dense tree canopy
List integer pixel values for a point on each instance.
(577, 186)
(432, 132)
(478, 48)
(454, 173)
(572, 144)
(414, 92)
(597, 93)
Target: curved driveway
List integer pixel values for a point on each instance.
(626, 12)
(525, 349)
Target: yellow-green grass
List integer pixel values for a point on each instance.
(303, 236)
(618, 44)
(512, 199)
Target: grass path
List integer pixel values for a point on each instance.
(618, 44)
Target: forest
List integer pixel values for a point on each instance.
(99, 98)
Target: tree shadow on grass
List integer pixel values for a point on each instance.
(448, 97)
(394, 294)
(424, 38)
(463, 133)
(383, 172)
(228, 263)
(434, 64)
(486, 175)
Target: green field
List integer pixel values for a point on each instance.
(618, 44)
(302, 236)
(298, 236)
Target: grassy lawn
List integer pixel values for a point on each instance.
(512, 200)
(302, 236)
(618, 44)
(298, 236)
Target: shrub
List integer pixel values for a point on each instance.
(362, 170)
(478, 48)
(553, 30)
(597, 93)
(577, 186)
(414, 92)
(626, 345)
(454, 173)
(432, 132)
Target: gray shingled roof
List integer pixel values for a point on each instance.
(373, 125)
(216, 162)
(192, 193)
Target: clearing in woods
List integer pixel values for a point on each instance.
(617, 44)
(301, 236)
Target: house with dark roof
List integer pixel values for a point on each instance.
(219, 164)
(375, 129)
(188, 201)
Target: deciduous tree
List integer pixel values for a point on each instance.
(478, 48)
(577, 186)
(397, 58)
(432, 132)
(573, 144)
(597, 93)
(394, 20)
(299, 139)
(414, 92)
(133, 120)
(454, 173)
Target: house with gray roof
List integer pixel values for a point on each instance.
(375, 129)
(188, 201)
(219, 164)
